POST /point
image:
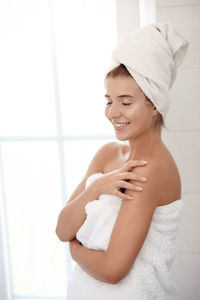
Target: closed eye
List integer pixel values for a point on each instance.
(122, 103)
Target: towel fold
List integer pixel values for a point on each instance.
(149, 277)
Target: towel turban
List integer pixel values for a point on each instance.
(152, 55)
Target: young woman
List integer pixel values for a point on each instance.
(121, 221)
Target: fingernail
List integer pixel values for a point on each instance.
(143, 161)
(129, 197)
(139, 188)
(143, 179)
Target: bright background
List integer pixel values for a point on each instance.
(53, 59)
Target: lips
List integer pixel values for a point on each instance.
(121, 125)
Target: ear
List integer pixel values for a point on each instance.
(155, 112)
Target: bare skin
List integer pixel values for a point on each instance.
(134, 217)
(144, 139)
(73, 214)
(163, 184)
(120, 155)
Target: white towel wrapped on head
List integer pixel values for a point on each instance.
(152, 55)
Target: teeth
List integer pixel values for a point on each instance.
(121, 124)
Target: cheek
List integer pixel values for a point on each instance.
(138, 115)
(132, 113)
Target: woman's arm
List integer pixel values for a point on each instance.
(128, 235)
(94, 262)
(73, 214)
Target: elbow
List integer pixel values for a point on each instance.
(62, 237)
(112, 281)
(115, 275)
(113, 278)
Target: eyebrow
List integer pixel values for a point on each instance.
(121, 96)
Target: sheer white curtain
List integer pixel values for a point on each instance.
(53, 58)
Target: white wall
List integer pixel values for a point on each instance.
(183, 135)
(127, 15)
(183, 139)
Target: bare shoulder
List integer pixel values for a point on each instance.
(108, 152)
(112, 157)
(162, 177)
(102, 154)
(94, 166)
(111, 146)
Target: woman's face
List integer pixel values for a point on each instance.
(127, 108)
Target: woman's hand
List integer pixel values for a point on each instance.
(111, 183)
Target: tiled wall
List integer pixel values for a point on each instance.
(183, 140)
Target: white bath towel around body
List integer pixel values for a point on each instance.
(149, 277)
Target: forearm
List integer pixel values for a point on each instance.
(94, 262)
(73, 215)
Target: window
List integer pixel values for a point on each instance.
(54, 56)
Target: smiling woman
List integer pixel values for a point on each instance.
(122, 235)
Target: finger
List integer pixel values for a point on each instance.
(133, 163)
(130, 186)
(132, 176)
(123, 196)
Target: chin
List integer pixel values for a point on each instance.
(122, 138)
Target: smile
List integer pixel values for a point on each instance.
(120, 126)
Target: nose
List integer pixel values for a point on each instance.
(113, 111)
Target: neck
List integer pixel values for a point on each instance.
(146, 145)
